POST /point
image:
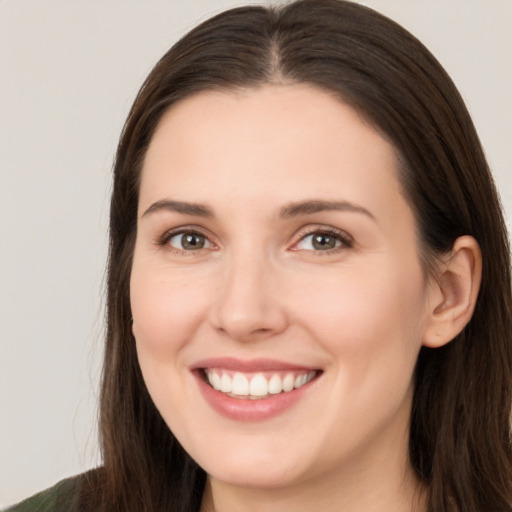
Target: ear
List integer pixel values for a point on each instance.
(452, 296)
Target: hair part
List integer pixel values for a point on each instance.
(460, 424)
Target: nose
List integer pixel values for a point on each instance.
(248, 305)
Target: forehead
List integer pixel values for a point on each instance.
(267, 114)
(284, 141)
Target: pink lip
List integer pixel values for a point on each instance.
(254, 365)
(239, 409)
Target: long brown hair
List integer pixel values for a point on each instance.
(460, 426)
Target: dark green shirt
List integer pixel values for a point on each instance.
(59, 498)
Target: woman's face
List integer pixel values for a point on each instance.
(276, 259)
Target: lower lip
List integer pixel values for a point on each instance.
(247, 409)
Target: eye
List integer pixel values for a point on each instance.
(189, 241)
(322, 240)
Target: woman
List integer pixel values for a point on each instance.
(309, 287)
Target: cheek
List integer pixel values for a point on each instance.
(371, 326)
(366, 319)
(166, 311)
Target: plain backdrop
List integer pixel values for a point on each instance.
(69, 71)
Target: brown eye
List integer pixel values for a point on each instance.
(319, 241)
(322, 241)
(189, 241)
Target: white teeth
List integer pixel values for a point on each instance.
(225, 383)
(215, 381)
(240, 385)
(258, 385)
(275, 385)
(288, 382)
(303, 379)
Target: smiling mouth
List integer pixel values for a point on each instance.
(256, 386)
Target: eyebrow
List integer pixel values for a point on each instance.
(294, 209)
(194, 209)
(316, 205)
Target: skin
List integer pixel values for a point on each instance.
(258, 288)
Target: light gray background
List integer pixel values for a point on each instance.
(69, 71)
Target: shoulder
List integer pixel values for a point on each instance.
(63, 496)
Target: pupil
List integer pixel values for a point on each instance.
(324, 242)
(193, 242)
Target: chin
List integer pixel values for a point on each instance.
(257, 475)
(258, 461)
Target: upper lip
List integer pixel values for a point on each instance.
(249, 366)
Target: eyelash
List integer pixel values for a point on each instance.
(345, 240)
(168, 235)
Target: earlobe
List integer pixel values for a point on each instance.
(453, 295)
